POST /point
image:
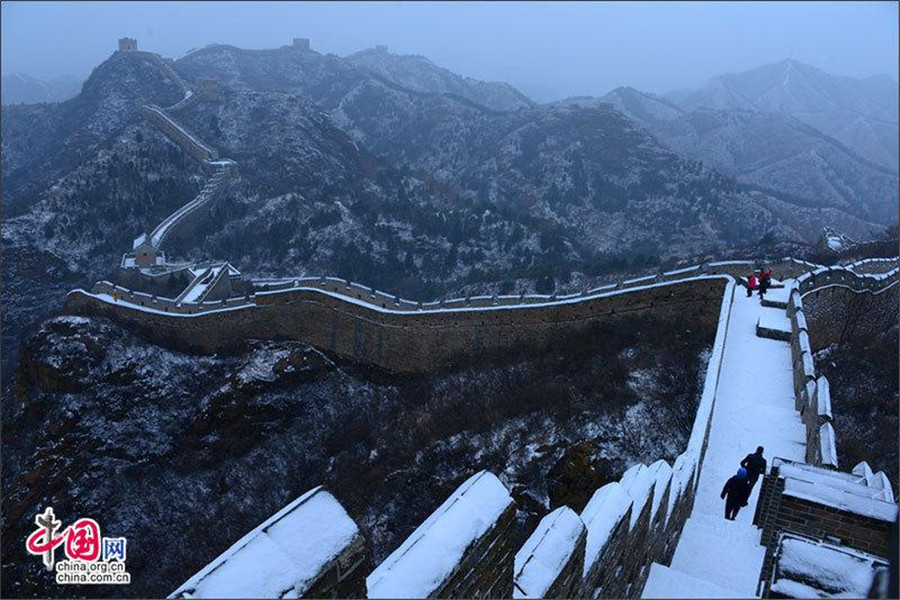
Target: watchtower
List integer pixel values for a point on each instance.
(302, 43)
(381, 48)
(144, 252)
(127, 44)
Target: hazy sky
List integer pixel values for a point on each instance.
(550, 50)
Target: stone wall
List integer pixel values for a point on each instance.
(303, 558)
(836, 314)
(551, 561)
(183, 222)
(778, 512)
(165, 66)
(188, 142)
(826, 306)
(464, 549)
(398, 341)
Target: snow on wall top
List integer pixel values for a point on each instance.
(638, 483)
(843, 491)
(544, 554)
(812, 569)
(823, 397)
(280, 557)
(428, 556)
(875, 480)
(601, 515)
(662, 475)
(682, 472)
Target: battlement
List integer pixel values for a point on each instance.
(867, 279)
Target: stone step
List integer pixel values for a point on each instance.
(730, 530)
(773, 323)
(710, 555)
(777, 298)
(666, 582)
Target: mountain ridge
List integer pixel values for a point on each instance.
(861, 113)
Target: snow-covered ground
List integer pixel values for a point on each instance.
(754, 407)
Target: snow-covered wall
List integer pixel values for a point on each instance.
(463, 550)
(550, 562)
(857, 508)
(398, 340)
(841, 284)
(310, 548)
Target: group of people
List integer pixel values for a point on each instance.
(736, 492)
(760, 278)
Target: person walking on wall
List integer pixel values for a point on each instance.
(755, 465)
(765, 280)
(751, 284)
(736, 493)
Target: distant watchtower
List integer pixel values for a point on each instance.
(127, 44)
(302, 43)
(381, 48)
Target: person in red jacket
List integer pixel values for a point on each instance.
(765, 280)
(751, 284)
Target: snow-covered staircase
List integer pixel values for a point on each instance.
(665, 582)
(716, 558)
(725, 553)
(723, 556)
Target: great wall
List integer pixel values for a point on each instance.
(650, 534)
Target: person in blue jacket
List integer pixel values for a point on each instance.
(736, 493)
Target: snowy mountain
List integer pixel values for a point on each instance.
(41, 143)
(770, 151)
(419, 74)
(860, 113)
(21, 88)
(346, 173)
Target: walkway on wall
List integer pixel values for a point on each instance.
(754, 407)
(223, 169)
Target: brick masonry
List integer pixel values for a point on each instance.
(344, 577)
(568, 581)
(777, 513)
(397, 341)
(486, 569)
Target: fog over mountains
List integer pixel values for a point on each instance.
(860, 113)
(21, 88)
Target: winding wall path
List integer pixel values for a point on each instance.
(222, 170)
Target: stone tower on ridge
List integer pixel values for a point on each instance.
(127, 44)
(302, 43)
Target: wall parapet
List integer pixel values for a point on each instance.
(462, 550)
(812, 395)
(550, 562)
(855, 508)
(378, 298)
(395, 338)
(289, 554)
(188, 141)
